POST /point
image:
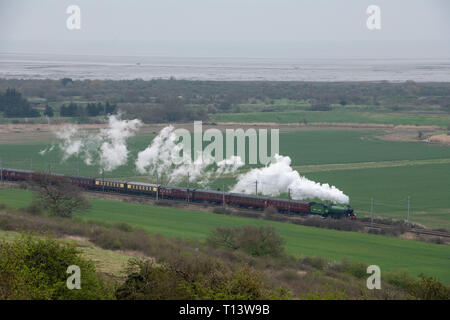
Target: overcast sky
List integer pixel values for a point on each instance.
(229, 28)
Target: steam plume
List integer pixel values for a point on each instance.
(107, 148)
(279, 177)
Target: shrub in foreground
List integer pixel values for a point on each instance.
(256, 241)
(34, 268)
(191, 279)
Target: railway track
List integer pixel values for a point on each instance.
(413, 230)
(200, 206)
(253, 212)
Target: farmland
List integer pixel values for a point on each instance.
(391, 254)
(441, 120)
(355, 161)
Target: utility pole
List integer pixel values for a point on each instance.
(103, 180)
(188, 187)
(223, 195)
(371, 210)
(134, 172)
(157, 186)
(408, 206)
(256, 187)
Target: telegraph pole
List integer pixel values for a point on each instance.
(289, 195)
(223, 195)
(371, 210)
(188, 187)
(408, 206)
(103, 180)
(157, 186)
(256, 187)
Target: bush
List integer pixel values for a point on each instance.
(399, 279)
(33, 268)
(356, 269)
(190, 279)
(107, 239)
(256, 241)
(123, 226)
(34, 209)
(270, 212)
(221, 210)
(428, 288)
(315, 262)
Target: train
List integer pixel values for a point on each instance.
(194, 195)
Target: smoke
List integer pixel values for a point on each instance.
(279, 177)
(107, 148)
(113, 149)
(162, 159)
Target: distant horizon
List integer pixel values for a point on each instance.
(285, 29)
(123, 67)
(68, 54)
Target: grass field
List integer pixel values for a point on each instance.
(328, 146)
(355, 161)
(391, 254)
(442, 120)
(427, 185)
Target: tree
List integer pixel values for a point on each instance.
(65, 81)
(13, 105)
(49, 111)
(92, 110)
(58, 195)
(69, 111)
(110, 108)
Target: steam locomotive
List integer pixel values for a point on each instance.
(296, 207)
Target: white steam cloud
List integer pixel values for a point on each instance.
(162, 158)
(279, 177)
(107, 148)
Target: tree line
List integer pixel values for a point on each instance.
(90, 110)
(222, 94)
(13, 105)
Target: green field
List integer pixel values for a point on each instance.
(353, 160)
(305, 147)
(427, 185)
(391, 254)
(442, 120)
